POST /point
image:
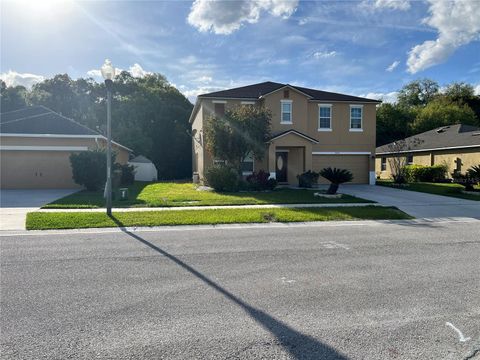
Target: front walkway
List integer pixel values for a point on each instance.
(417, 204)
(15, 204)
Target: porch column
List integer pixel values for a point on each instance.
(271, 160)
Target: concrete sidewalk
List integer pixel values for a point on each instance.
(417, 204)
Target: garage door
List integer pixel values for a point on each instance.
(357, 164)
(36, 170)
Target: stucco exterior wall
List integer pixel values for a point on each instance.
(40, 168)
(305, 115)
(468, 157)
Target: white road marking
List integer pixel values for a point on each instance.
(285, 281)
(334, 245)
(460, 334)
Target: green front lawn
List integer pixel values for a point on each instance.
(170, 194)
(76, 220)
(445, 189)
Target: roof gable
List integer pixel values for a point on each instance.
(293, 132)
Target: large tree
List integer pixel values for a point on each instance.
(241, 131)
(149, 115)
(394, 122)
(418, 92)
(441, 112)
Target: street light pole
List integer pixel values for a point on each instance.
(108, 73)
(108, 84)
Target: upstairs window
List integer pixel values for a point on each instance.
(219, 108)
(286, 112)
(384, 164)
(324, 117)
(356, 113)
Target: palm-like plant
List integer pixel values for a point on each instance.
(336, 177)
(474, 172)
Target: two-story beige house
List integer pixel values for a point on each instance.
(311, 129)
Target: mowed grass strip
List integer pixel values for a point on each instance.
(75, 220)
(445, 189)
(171, 194)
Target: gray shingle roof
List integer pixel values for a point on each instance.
(443, 137)
(255, 91)
(41, 120)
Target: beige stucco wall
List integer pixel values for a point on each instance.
(305, 120)
(31, 169)
(469, 157)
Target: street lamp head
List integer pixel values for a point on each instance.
(107, 70)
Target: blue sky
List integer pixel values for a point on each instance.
(369, 47)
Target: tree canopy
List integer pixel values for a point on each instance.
(423, 105)
(149, 115)
(243, 130)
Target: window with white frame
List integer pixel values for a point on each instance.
(356, 113)
(383, 164)
(247, 165)
(286, 112)
(324, 117)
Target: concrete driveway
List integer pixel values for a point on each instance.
(420, 205)
(15, 204)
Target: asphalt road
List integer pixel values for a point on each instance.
(366, 290)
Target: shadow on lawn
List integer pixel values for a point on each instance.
(298, 345)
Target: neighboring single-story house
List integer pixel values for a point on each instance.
(311, 129)
(145, 170)
(456, 146)
(35, 146)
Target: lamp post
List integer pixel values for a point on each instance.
(108, 73)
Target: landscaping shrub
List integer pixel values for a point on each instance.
(222, 178)
(435, 173)
(469, 179)
(89, 168)
(307, 179)
(336, 177)
(261, 181)
(128, 174)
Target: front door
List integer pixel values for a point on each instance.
(281, 166)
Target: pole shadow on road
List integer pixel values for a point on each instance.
(298, 345)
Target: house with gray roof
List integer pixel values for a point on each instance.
(456, 146)
(311, 129)
(36, 144)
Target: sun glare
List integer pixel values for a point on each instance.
(42, 9)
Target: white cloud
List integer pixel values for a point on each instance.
(324, 54)
(135, 70)
(477, 89)
(457, 23)
(390, 97)
(225, 17)
(13, 78)
(387, 4)
(393, 66)
(189, 60)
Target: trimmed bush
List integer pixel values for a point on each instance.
(89, 168)
(222, 178)
(307, 179)
(261, 181)
(469, 179)
(435, 173)
(128, 174)
(336, 177)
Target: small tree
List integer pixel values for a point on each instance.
(398, 158)
(89, 168)
(242, 131)
(336, 177)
